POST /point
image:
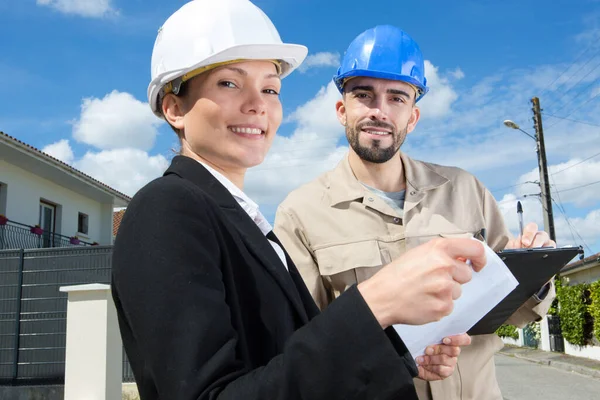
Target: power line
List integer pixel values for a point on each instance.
(579, 106)
(578, 187)
(572, 64)
(562, 210)
(571, 166)
(571, 119)
(561, 96)
(512, 186)
(547, 87)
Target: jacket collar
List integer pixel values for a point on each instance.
(343, 185)
(191, 170)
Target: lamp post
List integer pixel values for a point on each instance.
(543, 169)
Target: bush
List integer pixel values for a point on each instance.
(575, 321)
(594, 307)
(508, 331)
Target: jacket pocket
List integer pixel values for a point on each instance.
(344, 265)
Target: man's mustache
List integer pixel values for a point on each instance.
(375, 124)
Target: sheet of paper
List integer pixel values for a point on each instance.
(479, 296)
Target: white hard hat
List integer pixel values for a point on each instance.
(207, 32)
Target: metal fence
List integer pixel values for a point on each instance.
(33, 313)
(14, 235)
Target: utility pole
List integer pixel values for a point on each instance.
(544, 181)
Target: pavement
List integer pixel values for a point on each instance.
(584, 366)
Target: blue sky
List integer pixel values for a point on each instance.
(75, 74)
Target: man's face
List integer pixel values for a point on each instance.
(377, 114)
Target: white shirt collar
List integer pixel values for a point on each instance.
(243, 200)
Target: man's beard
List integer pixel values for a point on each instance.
(374, 153)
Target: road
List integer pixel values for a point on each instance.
(524, 380)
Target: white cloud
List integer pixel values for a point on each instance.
(323, 59)
(125, 169)
(116, 121)
(60, 150)
(441, 96)
(308, 152)
(568, 182)
(457, 74)
(84, 8)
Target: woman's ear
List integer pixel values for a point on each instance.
(173, 110)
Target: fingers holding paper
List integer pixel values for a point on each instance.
(439, 361)
(421, 286)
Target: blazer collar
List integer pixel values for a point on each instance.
(191, 170)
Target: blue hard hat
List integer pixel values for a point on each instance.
(384, 52)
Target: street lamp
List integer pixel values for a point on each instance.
(513, 125)
(544, 181)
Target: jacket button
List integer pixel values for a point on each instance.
(370, 199)
(413, 193)
(396, 220)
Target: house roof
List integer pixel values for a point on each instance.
(595, 258)
(64, 166)
(117, 217)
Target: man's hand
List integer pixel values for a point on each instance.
(531, 238)
(421, 285)
(439, 361)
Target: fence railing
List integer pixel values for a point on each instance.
(33, 311)
(14, 235)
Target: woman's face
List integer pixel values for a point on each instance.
(230, 115)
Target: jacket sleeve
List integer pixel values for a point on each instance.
(167, 280)
(288, 230)
(498, 236)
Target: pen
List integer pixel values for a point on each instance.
(520, 214)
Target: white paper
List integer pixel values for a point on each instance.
(479, 296)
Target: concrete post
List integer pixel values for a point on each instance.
(544, 334)
(94, 367)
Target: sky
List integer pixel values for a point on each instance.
(75, 74)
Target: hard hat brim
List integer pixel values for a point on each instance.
(340, 79)
(290, 55)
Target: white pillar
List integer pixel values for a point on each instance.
(521, 340)
(94, 367)
(544, 334)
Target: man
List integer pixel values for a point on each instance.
(341, 228)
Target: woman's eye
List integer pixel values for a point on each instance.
(271, 91)
(227, 84)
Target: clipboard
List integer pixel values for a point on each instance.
(532, 268)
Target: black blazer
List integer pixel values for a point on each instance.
(207, 310)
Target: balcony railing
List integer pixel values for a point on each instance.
(14, 235)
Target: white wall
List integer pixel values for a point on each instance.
(590, 274)
(24, 191)
(592, 352)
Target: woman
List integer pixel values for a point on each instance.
(209, 304)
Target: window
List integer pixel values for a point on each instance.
(3, 199)
(47, 221)
(82, 223)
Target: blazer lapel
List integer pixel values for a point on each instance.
(252, 236)
(260, 247)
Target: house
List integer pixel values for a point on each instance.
(47, 203)
(117, 218)
(583, 271)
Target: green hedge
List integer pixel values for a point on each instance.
(575, 320)
(594, 307)
(508, 331)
